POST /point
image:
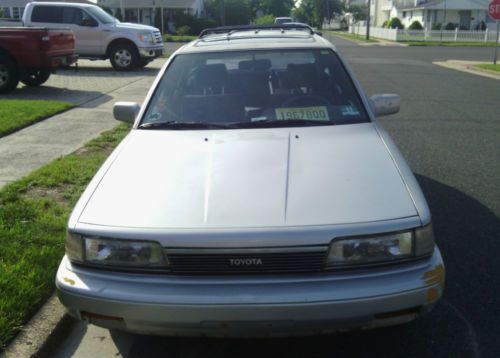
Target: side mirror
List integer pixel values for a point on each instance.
(88, 23)
(385, 104)
(126, 111)
(318, 33)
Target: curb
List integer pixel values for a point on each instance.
(42, 333)
(467, 66)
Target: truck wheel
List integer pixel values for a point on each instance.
(36, 77)
(8, 75)
(123, 57)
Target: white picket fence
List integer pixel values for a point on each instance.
(10, 23)
(426, 35)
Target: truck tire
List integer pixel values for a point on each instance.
(9, 77)
(123, 56)
(36, 77)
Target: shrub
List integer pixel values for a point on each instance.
(436, 26)
(416, 25)
(183, 30)
(265, 20)
(450, 26)
(396, 23)
(195, 25)
(386, 23)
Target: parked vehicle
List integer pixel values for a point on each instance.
(283, 20)
(256, 195)
(99, 36)
(31, 55)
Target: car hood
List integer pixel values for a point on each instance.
(139, 27)
(250, 178)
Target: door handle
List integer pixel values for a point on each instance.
(106, 30)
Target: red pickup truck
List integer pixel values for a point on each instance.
(30, 55)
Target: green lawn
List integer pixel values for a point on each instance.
(489, 67)
(33, 216)
(17, 114)
(177, 38)
(353, 37)
(448, 43)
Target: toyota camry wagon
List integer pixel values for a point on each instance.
(256, 195)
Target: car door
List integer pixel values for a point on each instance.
(85, 28)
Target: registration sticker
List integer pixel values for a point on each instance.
(319, 113)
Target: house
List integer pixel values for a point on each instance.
(463, 14)
(145, 11)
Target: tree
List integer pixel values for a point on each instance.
(314, 12)
(305, 12)
(325, 9)
(235, 12)
(265, 20)
(359, 12)
(277, 7)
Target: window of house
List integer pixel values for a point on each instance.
(404, 14)
(6, 12)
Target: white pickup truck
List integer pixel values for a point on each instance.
(98, 35)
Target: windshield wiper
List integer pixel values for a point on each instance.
(281, 123)
(182, 125)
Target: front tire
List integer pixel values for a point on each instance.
(9, 77)
(36, 77)
(123, 57)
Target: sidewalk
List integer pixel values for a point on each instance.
(31, 148)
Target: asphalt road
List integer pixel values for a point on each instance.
(449, 131)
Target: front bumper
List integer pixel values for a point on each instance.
(251, 306)
(151, 52)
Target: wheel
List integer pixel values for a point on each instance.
(36, 77)
(123, 57)
(141, 63)
(8, 75)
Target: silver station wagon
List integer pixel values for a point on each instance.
(256, 195)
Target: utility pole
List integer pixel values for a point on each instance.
(222, 12)
(368, 21)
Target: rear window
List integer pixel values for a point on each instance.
(261, 86)
(47, 14)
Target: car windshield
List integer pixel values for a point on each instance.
(101, 15)
(254, 88)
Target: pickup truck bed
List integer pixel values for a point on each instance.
(29, 55)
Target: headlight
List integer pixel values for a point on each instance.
(382, 248)
(112, 252)
(146, 37)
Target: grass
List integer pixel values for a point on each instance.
(33, 216)
(177, 38)
(353, 37)
(449, 43)
(489, 67)
(17, 114)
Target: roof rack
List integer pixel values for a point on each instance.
(232, 29)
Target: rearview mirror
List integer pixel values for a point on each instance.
(385, 104)
(126, 111)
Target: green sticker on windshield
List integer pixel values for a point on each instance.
(349, 111)
(318, 113)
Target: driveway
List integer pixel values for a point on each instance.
(94, 89)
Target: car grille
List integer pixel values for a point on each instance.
(247, 261)
(157, 38)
